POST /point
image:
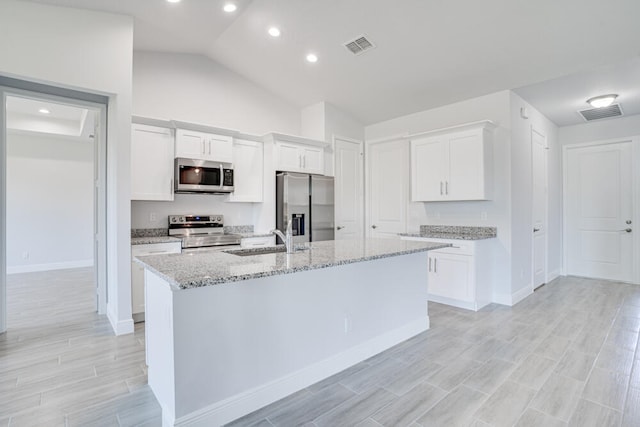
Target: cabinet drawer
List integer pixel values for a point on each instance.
(156, 249)
(255, 242)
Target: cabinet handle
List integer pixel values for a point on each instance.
(455, 247)
(339, 227)
(441, 188)
(435, 265)
(209, 147)
(170, 186)
(299, 161)
(304, 161)
(429, 264)
(446, 187)
(203, 146)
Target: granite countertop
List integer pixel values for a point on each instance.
(153, 239)
(191, 270)
(250, 235)
(454, 232)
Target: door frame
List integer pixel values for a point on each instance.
(100, 191)
(546, 210)
(363, 190)
(635, 191)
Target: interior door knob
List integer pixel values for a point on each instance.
(628, 230)
(374, 226)
(339, 227)
(628, 221)
(535, 230)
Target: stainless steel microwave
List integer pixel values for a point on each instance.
(203, 176)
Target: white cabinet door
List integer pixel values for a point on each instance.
(312, 159)
(204, 146)
(388, 189)
(349, 206)
(219, 148)
(248, 171)
(466, 167)
(429, 169)
(151, 163)
(190, 144)
(288, 157)
(451, 276)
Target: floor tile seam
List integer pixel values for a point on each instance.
(59, 385)
(621, 411)
(421, 414)
(335, 408)
(626, 396)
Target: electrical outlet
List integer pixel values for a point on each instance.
(25, 255)
(153, 217)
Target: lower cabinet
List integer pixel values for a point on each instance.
(256, 242)
(460, 275)
(137, 273)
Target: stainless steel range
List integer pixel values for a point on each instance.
(202, 232)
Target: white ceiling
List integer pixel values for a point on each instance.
(429, 53)
(23, 115)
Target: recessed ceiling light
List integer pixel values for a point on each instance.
(44, 111)
(229, 7)
(274, 32)
(602, 100)
(173, 1)
(312, 57)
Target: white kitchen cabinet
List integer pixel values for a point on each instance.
(257, 242)
(248, 164)
(151, 162)
(294, 157)
(137, 273)
(460, 275)
(191, 144)
(452, 164)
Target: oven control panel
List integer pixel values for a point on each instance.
(209, 220)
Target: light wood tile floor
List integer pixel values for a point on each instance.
(567, 355)
(61, 365)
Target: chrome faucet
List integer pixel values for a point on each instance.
(286, 238)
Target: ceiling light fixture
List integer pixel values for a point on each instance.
(312, 57)
(173, 1)
(44, 111)
(602, 100)
(229, 7)
(274, 32)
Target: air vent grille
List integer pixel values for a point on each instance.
(359, 45)
(612, 110)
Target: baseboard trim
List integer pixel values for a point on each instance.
(49, 266)
(244, 403)
(120, 327)
(514, 298)
(552, 275)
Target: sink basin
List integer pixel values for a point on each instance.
(264, 250)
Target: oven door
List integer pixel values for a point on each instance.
(198, 176)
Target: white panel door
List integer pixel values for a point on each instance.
(539, 187)
(599, 206)
(349, 218)
(429, 169)
(190, 144)
(388, 189)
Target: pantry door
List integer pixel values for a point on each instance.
(388, 178)
(349, 195)
(599, 199)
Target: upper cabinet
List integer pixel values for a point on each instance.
(192, 144)
(294, 154)
(152, 149)
(452, 164)
(248, 164)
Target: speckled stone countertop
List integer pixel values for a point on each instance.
(454, 232)
(153, 239)
(249, 235)
(191, 270)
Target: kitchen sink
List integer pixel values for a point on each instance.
(264, 250)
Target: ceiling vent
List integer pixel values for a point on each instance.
(359, 45)
(612, 110)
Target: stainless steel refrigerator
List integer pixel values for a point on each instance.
(308, 201)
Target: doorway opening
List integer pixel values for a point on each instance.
(53, 207)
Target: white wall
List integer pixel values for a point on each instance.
(494, 107)
(600, 130)
(521, 194)
(49, 202)
(193, 88)
(89, 51)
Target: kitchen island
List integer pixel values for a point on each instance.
(228, 334)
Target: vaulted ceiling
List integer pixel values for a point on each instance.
(428, 52)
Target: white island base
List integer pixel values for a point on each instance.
(216, 353)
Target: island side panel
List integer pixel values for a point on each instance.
(159, 343)
(242, 345)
